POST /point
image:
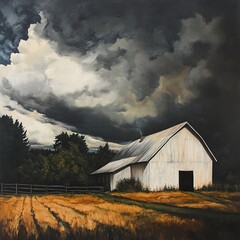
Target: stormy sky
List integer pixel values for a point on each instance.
(106, 68)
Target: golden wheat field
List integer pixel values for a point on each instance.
(219, 201)
(114, 216)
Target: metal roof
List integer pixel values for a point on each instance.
(143, 151)
(114, 166)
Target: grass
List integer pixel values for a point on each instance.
(222, 187)
(160, 215)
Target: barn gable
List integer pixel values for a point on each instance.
(183, 145)
(183, 153)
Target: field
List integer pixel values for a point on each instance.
(160, 215)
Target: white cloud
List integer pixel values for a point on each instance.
(41, 132)
(38, 69)
(38, 128)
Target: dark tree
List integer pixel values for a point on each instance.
(68, 166)
(102, 157)
(33, 170)
(62, 140)
(65, 141)
(65, 166)
(14, 146)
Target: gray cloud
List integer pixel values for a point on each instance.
(155, 62)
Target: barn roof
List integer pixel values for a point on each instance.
(114, 166)
(143, 151)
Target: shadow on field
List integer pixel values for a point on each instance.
(196, 213)
(103, 232)
(183, 223)
(153, 232)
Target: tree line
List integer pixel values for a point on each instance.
(69, 162)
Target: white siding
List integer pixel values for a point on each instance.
(115, 177)
(141, 172)
(183, 152)
(137, 171)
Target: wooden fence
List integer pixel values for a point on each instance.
(17, 188)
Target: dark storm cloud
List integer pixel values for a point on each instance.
(153, 26)
(15, 19)
(109, 58)
(85, 120)
(84, 24)
(92, 122)
(162, 39)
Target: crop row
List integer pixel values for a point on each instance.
(73, 217)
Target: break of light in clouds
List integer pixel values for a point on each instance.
(102, 67)
(38, 71)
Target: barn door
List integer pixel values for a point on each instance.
(186, 180)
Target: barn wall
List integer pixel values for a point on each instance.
(137, 171)
(115, 177)
(183, 152)
(141, 172)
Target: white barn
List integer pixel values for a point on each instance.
(177, 157)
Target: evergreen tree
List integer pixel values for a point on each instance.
(102, 157)
(14, 146)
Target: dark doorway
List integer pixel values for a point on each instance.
(186, 180)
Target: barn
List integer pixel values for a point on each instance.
(176, 157)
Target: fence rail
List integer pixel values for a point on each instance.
(18, 188)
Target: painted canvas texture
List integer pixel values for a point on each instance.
(119, 119)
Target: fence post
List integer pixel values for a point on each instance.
(2, 188)
(16, 188)
(66, 189)
(31, 189)
(47, 189)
